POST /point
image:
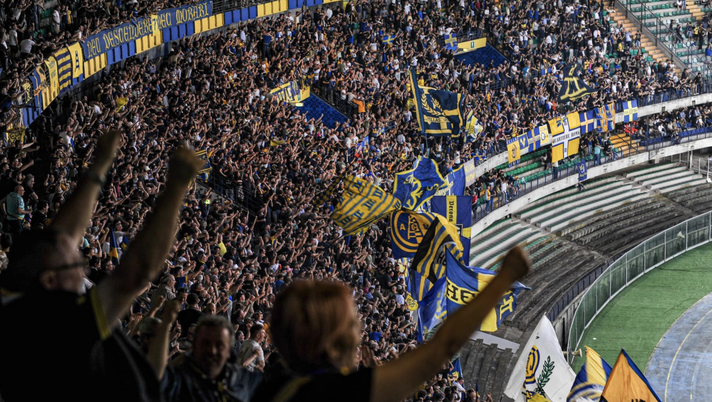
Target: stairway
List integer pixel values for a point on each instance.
(623, 143)
(695, 10)
(653, 53)
(649, 11)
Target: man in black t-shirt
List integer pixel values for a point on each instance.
(191, 314)
(48, 273)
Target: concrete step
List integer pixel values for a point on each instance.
(579, 200)
(681, 183)
(486, 242)
(533, 237)
(493, 228)
(568, 213)
(505, 244)
(590, 186)
(648, 170)
(571, 218)
(586, 226)
(659, 180)
(605, 229)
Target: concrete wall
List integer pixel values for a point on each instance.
(668, 106)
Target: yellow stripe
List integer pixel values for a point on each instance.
(101, 324)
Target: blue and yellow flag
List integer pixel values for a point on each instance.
(276, 143)
(15, 134)
(582, 170)
(601, 119)
(451, 42)
(325, 196)
(458, 211)
(470, 122)
(591, 379)
(610, 115)
(418, 287)
(556, 125)
(407, 231)
(463, 285)
(124, 244)
(573, 87)
(361, 205)
(514, 152)
(64, 69)
(205, 157)
(588, 121)
(429, 260)
(626, 383)
(630, 111)
(456, 371)
(113, 248)
(431, 309)
(438, 112)
(388, 39)
(456, 182)
(416, 186)
(606, 117)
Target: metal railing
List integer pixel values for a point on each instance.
(523, 186)
(570, 168)
(632, 265)
(332, 96)
(235, 192)
(644, 30)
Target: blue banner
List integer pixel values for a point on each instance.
(456, 182)
(451, 42)
(583, 170)
(414, 187)
(463, 285)
(407, 231)
(458, 211)
(431, 310)
(108, 39)
(438, 112)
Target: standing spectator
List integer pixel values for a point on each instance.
(15, 210)
(205, 374)
(251, 355)
(47, 269)
(191, 314)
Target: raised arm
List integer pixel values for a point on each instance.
(74, 215)
(144, 258)
(158, 348)
(396, 379)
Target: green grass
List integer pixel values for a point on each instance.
(638, 317)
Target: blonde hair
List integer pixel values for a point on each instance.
(312, 328)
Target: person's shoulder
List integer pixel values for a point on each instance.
(355, 386)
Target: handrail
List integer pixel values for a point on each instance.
(644, 30)
(645, 257)
(523, 186)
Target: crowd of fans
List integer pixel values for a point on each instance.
(212, 92)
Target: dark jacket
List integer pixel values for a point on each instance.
(186, 383)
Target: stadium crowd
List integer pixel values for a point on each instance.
(212, 92)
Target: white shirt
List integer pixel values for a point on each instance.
(26, 46)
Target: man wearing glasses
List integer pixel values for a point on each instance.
(86, 357)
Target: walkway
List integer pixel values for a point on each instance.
(681, 366)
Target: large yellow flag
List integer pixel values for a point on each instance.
(626, 383)
(361, 205)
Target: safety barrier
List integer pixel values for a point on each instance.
(637, 262)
